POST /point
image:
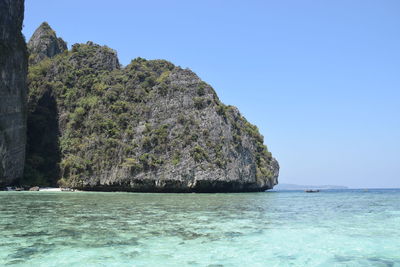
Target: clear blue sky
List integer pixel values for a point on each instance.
(321, 79)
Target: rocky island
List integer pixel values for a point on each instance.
(150, 126)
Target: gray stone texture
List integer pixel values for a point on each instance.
(13, 90)
(44, 44)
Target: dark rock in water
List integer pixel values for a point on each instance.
(149, 127)
(35, 188)
(44, 44)
(13, 90)
(66, 189)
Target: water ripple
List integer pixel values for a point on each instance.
(343, 228)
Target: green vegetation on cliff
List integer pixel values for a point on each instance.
(92, 123)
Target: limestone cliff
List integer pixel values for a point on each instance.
(150, 126)
(13, 70)
(44, 43)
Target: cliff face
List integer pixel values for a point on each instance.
(13, 71)
(44, 44)
(150, 126)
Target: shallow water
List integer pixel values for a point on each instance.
(330, 228)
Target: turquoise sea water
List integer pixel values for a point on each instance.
(330, 228)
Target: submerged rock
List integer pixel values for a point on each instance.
(150, 126)
(13, 90)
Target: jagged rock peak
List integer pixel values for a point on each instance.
(44, 43)
(94, 56)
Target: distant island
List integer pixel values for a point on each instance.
(305, 187)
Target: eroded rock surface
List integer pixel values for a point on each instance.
(13, 89)
(44, 43)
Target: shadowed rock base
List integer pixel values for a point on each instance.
(176, 186)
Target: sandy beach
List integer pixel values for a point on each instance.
(50, 189)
